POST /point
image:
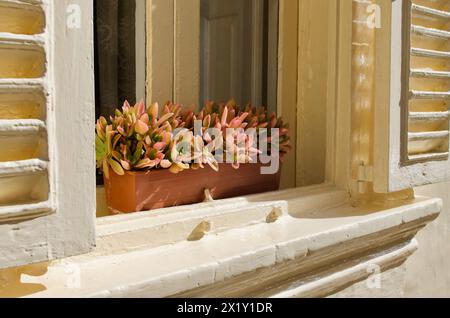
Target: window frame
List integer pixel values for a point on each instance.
(337, 97)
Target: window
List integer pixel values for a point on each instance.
(212, 50)
(231, 56)
(185, 63)
(221, 49)
(235, 60)
(120, 55)
(119, 33)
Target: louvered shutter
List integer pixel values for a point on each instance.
(24, 161)
(412, 95)
(43, 127)
(427, 90)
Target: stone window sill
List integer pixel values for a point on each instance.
(295, 243)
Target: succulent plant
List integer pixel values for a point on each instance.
(136, 138)
(230, 115)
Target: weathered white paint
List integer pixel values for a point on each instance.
(21, 126)
(18, 167)
(429, 53)
(30, 235)
(430, 11)
(434, 33)
(429, 74)
(302, 238)
(170, 225)
(329, 284)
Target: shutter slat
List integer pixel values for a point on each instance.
(430, 11)
(22, 83)
(429, 95)
(429, 116)
(429, 53)
(22, 126)
(25, 210)
(429, 156)
(430, 32)
(15, 168)
(429, 74)
(21, 40)
(416, 136)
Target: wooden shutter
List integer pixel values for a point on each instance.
(47, 186)
(412, 95)
(25, 187)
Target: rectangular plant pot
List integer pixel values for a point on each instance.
(154, 189)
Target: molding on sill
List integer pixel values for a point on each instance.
(312, 251)
(323, 272)
(334, 282)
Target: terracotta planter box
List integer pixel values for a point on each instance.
(144, 191)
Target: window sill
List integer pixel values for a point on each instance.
(318, 244)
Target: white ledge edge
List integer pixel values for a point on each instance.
(173, 269)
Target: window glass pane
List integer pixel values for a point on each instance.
(239, 41)
(119, 53)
